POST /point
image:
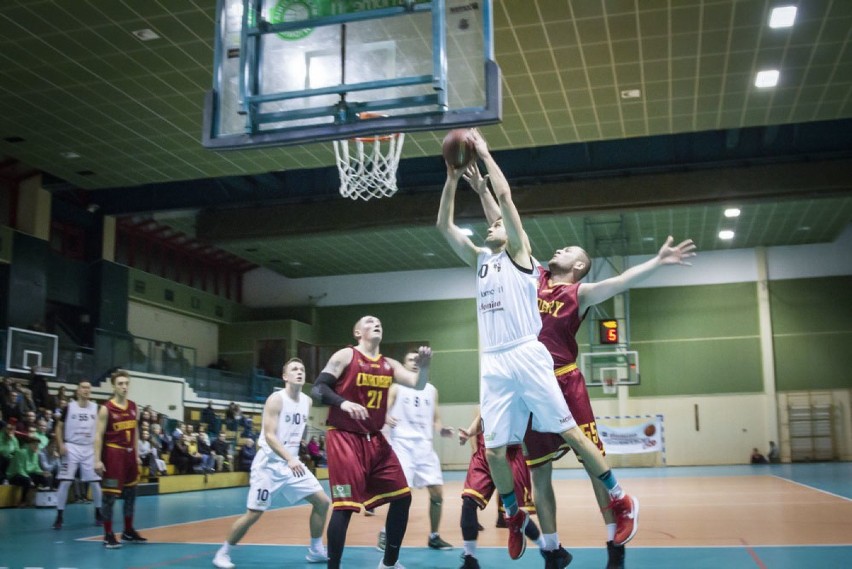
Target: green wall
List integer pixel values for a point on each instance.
(151, 289)
(812, 333)
(696, 339)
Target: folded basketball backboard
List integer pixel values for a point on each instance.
(299, 71)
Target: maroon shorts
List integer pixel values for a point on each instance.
(363, 471)
(480, 486)
(546, 447)
(120, 469)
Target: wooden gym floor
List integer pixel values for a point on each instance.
(768, 517)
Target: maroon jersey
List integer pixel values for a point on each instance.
(365, 381)
(479, 485)
(121, 425)
(560, 319)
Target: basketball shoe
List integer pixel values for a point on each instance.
(517, 524)
(626, 510)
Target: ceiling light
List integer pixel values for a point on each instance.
(69, 155)
(782, 17)
(631, 94)
(768, 78)
(732, 212)
(726, 234)
(467, 231)
(647, 239)
(804, 228)
(145, 34)
(295, 263)
(428, 254)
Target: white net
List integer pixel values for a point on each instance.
(368, 166)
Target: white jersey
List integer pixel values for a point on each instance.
(415, 413)
(80, 423)
(291, 424)
(507, 301)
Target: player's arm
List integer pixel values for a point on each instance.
(437, 424)
(459, 242)
(271, 413)
(518, 245)
(479, 183)
(590, 294)
(472, 430)
(59, 432)
(323, 389)
(409, 378)
(392, 393)
(100, 430)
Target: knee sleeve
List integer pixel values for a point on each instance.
(469, 519)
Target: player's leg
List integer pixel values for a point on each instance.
(67, 472)
(130, 478)
(320, 503)
(336, 536)
(347, 455)
(222, 559)
(436, 501)
(470, 531)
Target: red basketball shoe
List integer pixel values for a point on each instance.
(517, 541)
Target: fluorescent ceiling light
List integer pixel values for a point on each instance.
(768, 78)
(726, 234)
(145, 34)
(782, 17)
(467, 231)
(732, 212)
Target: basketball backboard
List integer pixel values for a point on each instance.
(297, 71)
(28, 351)
(619, 367)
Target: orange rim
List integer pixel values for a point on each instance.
(378, 138)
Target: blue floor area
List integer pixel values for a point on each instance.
(27, 540)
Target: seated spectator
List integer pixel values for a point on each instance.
(160, 439)
(8, 446)
(314, 451)
(41, 433)
(774, 455)
(231, 416)
(221, 451)
(192, 445)
(180, 456)
(49, 461)
(24, 471)
(149, 457)
(248, 428)
(179, 430)
(757, 458)
(208, 463)
(246, 456)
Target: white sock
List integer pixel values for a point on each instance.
(316, 543)
(610, 532)
(540, 542)
(226, 548)
(551, 541)
(616, 492)
(433, 535)
(469, 548)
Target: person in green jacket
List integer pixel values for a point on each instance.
(8, 446)
(25, 470)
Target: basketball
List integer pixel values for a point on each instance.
(650, 430)
(458, 149)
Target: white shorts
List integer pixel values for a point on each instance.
(269, 475)
(78, 456)
(419, 462)
(514, 383)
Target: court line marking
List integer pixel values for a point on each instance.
(753, 554)
(809, 487)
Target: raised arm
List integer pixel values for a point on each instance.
(418, 379)
(460, 243)
(518, 245)
(479, 184)
(593, 293)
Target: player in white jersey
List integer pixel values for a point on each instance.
(516, 370)
(75, 438)
(277, 467)
(413, 418)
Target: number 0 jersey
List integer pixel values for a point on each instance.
(507, 311)
(291, 424)
(121, 425)
(415, 413)
(364, 381)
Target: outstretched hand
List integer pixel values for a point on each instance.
(424, 356)
(447, 431)
(479, 143)
(474, 177)
(676, 255)
(464, 435)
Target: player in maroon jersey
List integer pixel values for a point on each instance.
(362, 468)
(479, 487)
(117, 458)
(563, 303)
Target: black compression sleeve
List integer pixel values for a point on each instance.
(322, 391)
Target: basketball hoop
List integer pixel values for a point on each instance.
(368, 164)
(609, 386)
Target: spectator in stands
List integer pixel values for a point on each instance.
(757, 458)
(180, 456)
(179, 430)
(192, 446)
(189, 431)
(221, 451)
(38, 389)
(231, 416)
(314, 451)
(248, 428)
(159, 439)
(149, 456)
(49, 461)
(208, 463)
(246, 456)
(8, 446)
(208, 417)
(10, 404)
(27, 403)
(42, 434)
(24, 470)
